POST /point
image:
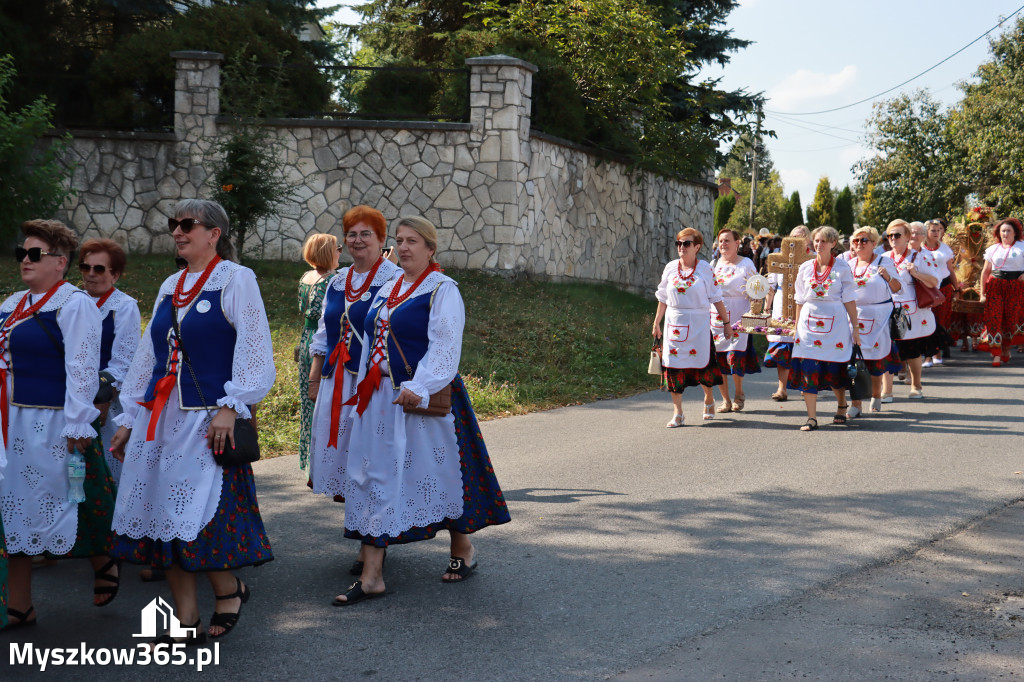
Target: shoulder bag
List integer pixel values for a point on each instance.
(927, 297)
(246, 448)
(440, 403)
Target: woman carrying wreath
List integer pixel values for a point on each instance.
(686, 291)
(338, 345)
(204, 360)
(827, 326)
(321, 251)
(1002, 289)
(734, 355)
(49, 353)
(407, 475)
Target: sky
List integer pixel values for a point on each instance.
(812, 55)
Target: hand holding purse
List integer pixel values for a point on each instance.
(440, 403)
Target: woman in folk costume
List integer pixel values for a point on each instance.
(936, 230)
(410, 475)
(686, 291)
(101, 262)
(338, 345)
(1002, 289)
(826, 316)
(177, 509)
(780, 348)
(735, 355)
(49, 339)
(875, 282)
(922, 338)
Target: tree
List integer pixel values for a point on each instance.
(771, 201)
(822, 209)
(724, 206)
(844, 211)
(914, 168)
(34, 181)
(793, 214)
(986, 130)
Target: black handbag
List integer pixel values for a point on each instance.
(246, 448)
(860, 388)
(899, 322)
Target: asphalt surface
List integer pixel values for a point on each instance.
(735, 549)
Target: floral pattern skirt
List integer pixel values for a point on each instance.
(483, 503)
(675, 380)
(233, 538)
(739, 362)
(811, 376)
(1004, 313)
(779, 354)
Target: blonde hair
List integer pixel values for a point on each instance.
(423, 228)
(902, 224)
(827, 232)
(800, 231)
(319, 251)
(871, 232)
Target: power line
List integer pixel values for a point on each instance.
(789, 121)
(822, 132)
(909, 80)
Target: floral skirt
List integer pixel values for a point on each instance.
(893, 364)
(811, 376)
(779, 354)
(675, 380)
(1004, 313)
(483, 503)
(233, 538)
(739, 362)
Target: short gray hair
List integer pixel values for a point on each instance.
(211, 214)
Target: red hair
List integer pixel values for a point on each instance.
(368, 215)
(109, 247)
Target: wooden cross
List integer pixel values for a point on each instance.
(787, 263)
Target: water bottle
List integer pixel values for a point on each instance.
(851, 369)
(76, 477)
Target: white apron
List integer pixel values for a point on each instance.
(823, 330)
(732, 279)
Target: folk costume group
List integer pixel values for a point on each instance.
(842, 302)
(165, 403)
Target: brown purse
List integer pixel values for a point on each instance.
(927, 297)
(440, 402)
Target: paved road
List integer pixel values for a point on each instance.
(630, 546)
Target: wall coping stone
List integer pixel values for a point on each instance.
(501, 60)
(377, 125)
(198, 54)
(83, 133)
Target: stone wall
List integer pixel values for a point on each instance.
(504, 199)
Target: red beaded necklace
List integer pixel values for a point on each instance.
(394, 298)
(862, 272)
(898, 262)
(181, 297)
(818, 279)
(21, 312)
(103, 299)
(353, 295)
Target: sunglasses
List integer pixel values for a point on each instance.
(687, 244)
(860, 240)
(85, 268)
(186, 224)
(894, 235)
(35, 254)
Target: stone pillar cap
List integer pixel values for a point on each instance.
(501, 60)
(198, 54)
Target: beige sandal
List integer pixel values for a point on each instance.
(726, 406)
(737, 405)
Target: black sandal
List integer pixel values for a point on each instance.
(810, 425)
(458, 566)
(355, 594)
(840, 418)
(101, 574)
(229, 620)
(191, 640)
(23, 621)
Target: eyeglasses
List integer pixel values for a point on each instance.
(185, 224)
(35, 254)
(85, 268)
(365, 234)
(686, 244)
(859, 240)
(338, 248)
(894, 235)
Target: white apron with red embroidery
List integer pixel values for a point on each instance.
(687, 332)
(823, 330)
(732, 280)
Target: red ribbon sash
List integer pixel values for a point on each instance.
(339, 356)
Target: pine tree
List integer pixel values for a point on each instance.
(724, 206)
(844, 211)
(822, 209)
(794, 213)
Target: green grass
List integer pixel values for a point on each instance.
(528, 345)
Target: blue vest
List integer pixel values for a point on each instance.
(107, 340)
(38, 376)
(209, 340)
(408, 323)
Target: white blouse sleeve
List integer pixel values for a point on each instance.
(80, 324)
(440, 364)
(127, 331)
(252, 369)
(849, 292)
(136, 381)
(661, 293)
(707, 276)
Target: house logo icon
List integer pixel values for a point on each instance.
(157, 617)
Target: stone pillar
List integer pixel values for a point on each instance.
(500, 107)
(196, 107)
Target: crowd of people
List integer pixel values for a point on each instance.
(886, 300)
(128, 446)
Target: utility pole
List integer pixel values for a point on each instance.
(753, 171)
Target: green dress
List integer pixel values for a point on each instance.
(311, 299)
